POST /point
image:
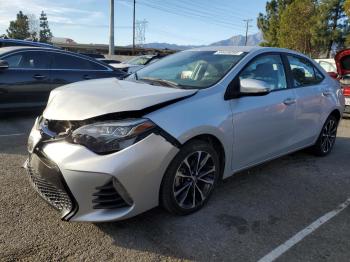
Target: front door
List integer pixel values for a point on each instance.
(26, 82)
(264, 126)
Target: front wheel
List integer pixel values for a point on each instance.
(326, 140)
(190, 178)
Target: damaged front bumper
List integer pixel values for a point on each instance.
(85, 186)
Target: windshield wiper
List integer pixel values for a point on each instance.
(160, 81)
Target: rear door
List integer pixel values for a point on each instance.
(264, 126)
(68, 68)
(26, 83)
(310, 91)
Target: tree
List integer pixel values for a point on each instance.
(330, 27)
(347, 7)
(297, 33)
(34, 29)
(19, 29)
(347, 12)
(45, 34)
(270, 22)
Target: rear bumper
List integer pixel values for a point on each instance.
(101, 187)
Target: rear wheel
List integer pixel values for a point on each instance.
(326, 140)
(190, 178)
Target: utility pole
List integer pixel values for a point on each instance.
(111, 29)
(247, 21)
(133, 29)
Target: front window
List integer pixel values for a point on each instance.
(191, 69)
(268, 68)
(140, 60)
(28, 60)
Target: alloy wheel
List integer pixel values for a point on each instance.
(328, 136)
(194, 179)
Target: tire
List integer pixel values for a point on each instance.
(188, 183)
(327, 137)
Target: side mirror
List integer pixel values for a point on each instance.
(333, 75)
(4, 65)
(253, 87)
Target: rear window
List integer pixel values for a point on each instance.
(345, 63)
(304, 72)
(63, 61)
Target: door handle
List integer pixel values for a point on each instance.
(87, 77)
(327, 92)
(39, 77)
(289, 101)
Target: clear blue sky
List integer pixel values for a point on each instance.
(171, 21)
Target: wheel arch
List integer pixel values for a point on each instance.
(336, 113)
(217, 145)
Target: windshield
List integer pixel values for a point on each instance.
(140, 60)
(191, 69)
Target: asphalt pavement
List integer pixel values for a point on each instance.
(249, 216)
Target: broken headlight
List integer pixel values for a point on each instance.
(111, 136)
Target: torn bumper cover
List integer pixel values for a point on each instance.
(85, 186)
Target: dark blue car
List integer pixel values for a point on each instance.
(16, 42)
(28, 74)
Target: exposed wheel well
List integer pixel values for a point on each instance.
(219, 148)
(336, 113)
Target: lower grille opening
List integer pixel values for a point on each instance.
(57, 197)
(107, 197)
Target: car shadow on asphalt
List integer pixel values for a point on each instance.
(225, 226)
(14, 131)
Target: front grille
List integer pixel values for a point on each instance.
(47, 180)
(55, 196)
(107, 197)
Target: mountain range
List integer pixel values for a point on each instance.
(237, 40)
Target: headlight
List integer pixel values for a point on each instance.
(112, 136)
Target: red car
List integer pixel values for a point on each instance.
(342, 60)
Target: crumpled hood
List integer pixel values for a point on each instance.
(87, 99)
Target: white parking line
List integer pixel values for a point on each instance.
(280, 250)
(17, 134)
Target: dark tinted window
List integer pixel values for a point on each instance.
(29, 60)
(62, 61)
(304, 73)
(345, 63)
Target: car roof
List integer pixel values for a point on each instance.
(9, 49)
(29, 43)
(245, 49)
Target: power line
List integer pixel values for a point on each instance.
(188, 13)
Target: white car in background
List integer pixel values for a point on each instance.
(136, 63)
(328, 64)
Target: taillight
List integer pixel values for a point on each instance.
(346, 91)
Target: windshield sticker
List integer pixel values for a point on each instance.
(227, 53)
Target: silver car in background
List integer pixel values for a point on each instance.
(107, 149)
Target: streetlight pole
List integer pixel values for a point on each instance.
(247, 21)
(133, 29)
(111, 29)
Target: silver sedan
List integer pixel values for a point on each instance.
(107, 149)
